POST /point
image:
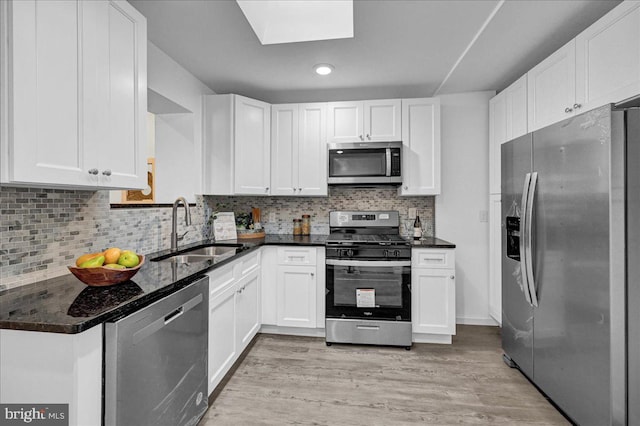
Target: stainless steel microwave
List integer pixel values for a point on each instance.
(365, 163)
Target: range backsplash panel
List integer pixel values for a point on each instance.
(42, 231)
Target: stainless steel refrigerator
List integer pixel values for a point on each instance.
(571, 263)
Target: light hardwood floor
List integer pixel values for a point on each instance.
(286, 380)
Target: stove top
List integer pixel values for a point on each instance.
(380, 239)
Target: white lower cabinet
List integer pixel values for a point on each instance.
(293, 289)
(234, 313)
(495, 257)
(54, 368)
(296, 286)
(433, 294)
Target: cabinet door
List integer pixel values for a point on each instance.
(247, 309)
(516, 109)
(345, 122)
(551, 88)
(495, 258)
(115, 93)
(252, 146)
(382, 120)
(497, 136)
(297, 296)
(312, 150)
(608, 58)
(284, 149)
(45, 142)
(222, 335)
(421, 147)
(433, 293)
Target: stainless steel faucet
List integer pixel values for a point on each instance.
(174, 222)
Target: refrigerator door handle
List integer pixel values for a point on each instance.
(529, 237)
(526, 288)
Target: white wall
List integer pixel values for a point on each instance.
(179, 151)
(462, 208)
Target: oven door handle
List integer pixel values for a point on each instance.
(369, 263)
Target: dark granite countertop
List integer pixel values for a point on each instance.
(432, 242)
(66, 305)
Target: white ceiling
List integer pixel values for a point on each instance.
(401, 48)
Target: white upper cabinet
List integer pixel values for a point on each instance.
(298, 150)
(551, 88)
(252, 147)
(364, 121)
(382, 121)
(601, 65)
(237, 147)
(74, 94)
(421, 147)
(608, 58)
(507, 121)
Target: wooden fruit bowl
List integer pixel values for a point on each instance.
(101, 276)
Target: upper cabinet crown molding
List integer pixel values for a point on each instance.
(74, 94)
(364, 121)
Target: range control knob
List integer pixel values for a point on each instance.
(385, 253)
(349, 253)
(396, 253)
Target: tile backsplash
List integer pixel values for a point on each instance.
(340, 198)
(42, 231)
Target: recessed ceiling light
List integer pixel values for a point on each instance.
(323, 69)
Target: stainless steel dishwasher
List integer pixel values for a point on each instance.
(156, 362)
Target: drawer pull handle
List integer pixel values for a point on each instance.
(368, 327)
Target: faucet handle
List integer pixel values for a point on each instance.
(181, 237)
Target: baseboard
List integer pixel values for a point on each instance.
(292, 331)
(477, 321)
(443, 339)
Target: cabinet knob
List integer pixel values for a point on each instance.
(93, 171)
(266, 189)
(106, 172)
(368, 137)
(567, 109)
(299, 189)
(405, 187)
(312, 274)
(453, 277)
(361, 138)
(295, 189)
(576, 106)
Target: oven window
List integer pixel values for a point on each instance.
(360, 162)
(386, 283)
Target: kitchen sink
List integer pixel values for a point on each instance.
(213, 253)
(185, 258)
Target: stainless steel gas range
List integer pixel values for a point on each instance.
(368, 296)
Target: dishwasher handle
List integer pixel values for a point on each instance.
(164, 320)
(173, 315)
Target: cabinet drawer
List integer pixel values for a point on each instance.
(219, 279)
(433, 258)
(296, 256)
(250, 262)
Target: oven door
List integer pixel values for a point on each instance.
(368, 289)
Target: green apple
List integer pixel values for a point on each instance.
(128, 259)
